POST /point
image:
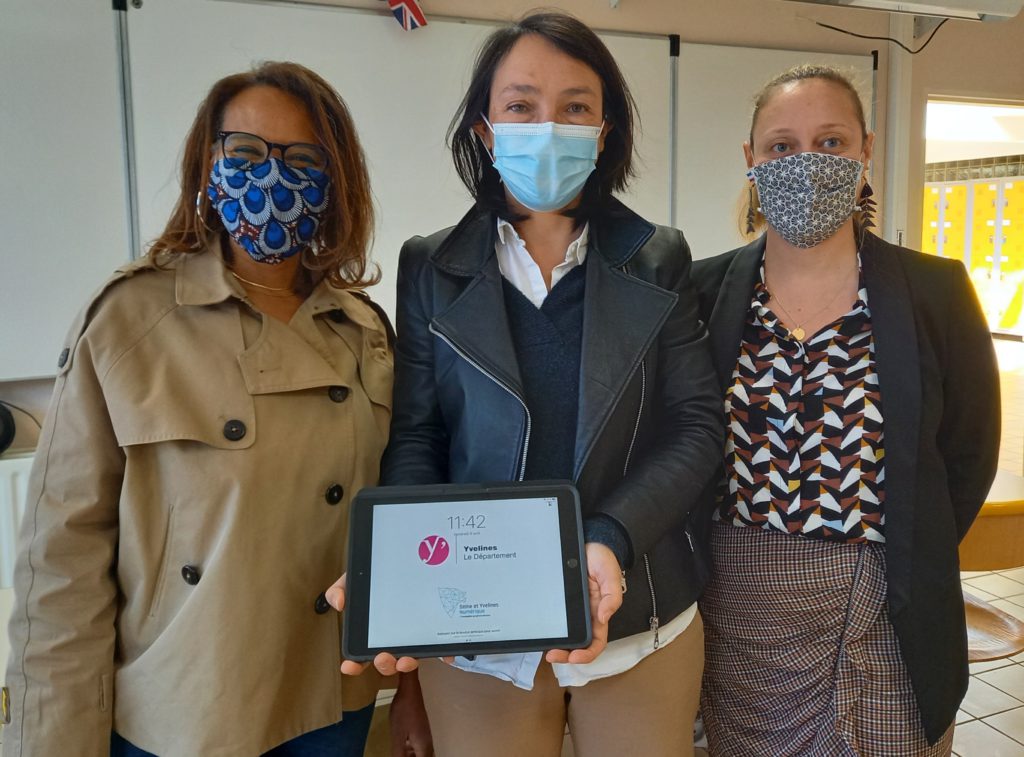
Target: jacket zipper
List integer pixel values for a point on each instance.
(636, 426)
(625, 469)
(472, 362)
(654, 602)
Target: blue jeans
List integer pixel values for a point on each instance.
(344, 739)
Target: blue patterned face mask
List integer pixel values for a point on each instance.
(272, 211)
(544, 166)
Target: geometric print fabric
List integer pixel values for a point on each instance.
(804, 450)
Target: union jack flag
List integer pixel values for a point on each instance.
(408, 13)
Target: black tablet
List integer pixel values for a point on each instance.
(465, 570)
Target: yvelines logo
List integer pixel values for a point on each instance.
(434, 550)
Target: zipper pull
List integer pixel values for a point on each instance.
(654, 627)
(689, 539)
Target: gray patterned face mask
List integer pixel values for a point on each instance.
(806, 197)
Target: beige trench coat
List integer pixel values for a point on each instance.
(187, 507)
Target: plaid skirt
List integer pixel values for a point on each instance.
(800, 656)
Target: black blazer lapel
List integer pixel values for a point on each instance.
(898, 365)
(621, 317)
(729, 314)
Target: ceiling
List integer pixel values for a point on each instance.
(964, 131)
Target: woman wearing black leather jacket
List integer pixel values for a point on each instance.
(553, 334)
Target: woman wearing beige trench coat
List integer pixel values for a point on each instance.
(211, 418)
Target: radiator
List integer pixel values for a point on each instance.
(13, 486)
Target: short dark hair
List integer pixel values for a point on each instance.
(577, 40)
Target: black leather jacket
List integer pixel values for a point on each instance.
(650, 428)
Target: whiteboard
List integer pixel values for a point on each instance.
(61, 125)
(62, 205)
(717, 87)
(401, 87)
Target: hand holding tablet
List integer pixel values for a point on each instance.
(605, 590)
(387, 664)
(465, 570)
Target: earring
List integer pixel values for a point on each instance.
(866, 205)
(750, 209)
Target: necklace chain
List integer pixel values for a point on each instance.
(798, 332)
(280, 291)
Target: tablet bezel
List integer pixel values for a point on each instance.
(360, 540)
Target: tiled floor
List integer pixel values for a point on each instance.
(991, 718)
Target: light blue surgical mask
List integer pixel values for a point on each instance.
(544, 166)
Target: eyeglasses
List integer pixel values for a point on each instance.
(249, 150)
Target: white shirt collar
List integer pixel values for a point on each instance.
(574, 255)
(519, 268)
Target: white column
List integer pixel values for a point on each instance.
(897, 131)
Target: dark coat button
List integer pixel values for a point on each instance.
(337, 315)
(338, 393)
(334, 494)
(234, 430)
(191, 574)
(63, 359)
(321, 605)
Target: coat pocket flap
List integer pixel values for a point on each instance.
(217, 426)
(205, 402)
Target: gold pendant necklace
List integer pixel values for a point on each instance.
(798, 332)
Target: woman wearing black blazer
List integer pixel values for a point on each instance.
(861, 397)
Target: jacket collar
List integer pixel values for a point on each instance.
(729, 313)
(622, 314)
(897, 359)
(616, 233)
(201, 278)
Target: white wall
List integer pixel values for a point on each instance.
(62, 202)
(966, 59)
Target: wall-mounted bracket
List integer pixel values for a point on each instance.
(924, 25)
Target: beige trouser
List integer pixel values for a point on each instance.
(648, 710)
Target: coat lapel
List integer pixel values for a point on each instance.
(280, 360)
(729, 314)
(621, 314)
(476, 323)
(621, 317)
(898, 365)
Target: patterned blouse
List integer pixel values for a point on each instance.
(804, 452)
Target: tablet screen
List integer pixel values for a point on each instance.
(466, 572)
